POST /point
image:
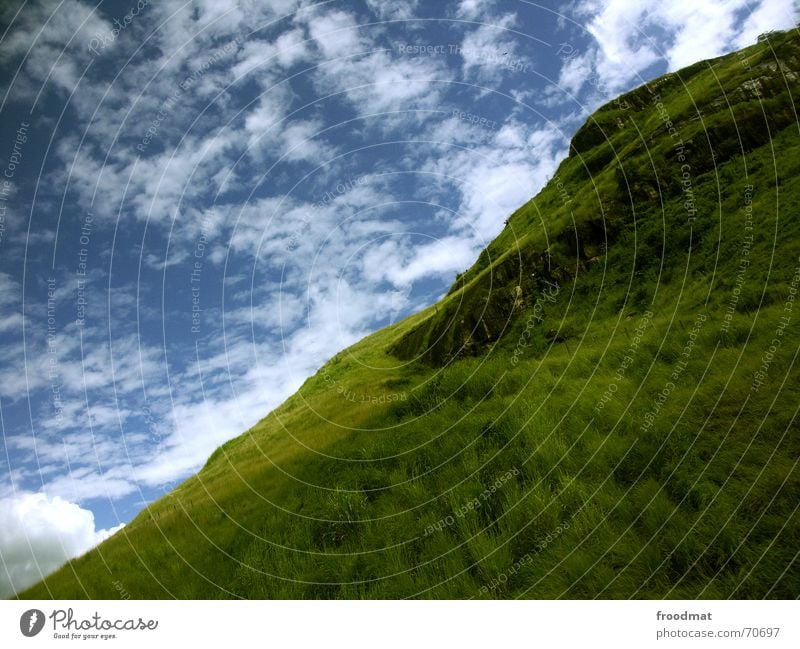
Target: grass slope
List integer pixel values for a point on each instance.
(604, 405)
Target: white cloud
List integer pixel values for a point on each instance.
(575, 71)
(38, 534)
(367, 76)
(768, 15)
(380, 83)
(337, 35)
(271, 107)
(187, 30)
(203, 426)
(395, 10)
(301, 141)
(441, 257)
(268, 59)
(475, 9)
(54, 43)
(632, 35)
(489, 47)
(497, 176)
(10, 316)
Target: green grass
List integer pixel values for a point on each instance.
(570, 446)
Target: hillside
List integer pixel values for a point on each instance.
(604, 404)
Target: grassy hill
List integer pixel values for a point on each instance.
(604, 405)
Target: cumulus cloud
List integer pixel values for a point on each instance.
(632, 35)
(367, 76)
(38, 534)
(489, 50)
(262, 57)
(498, 175)
(775, 14)
(475, 9)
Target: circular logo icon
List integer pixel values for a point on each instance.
(31, 622)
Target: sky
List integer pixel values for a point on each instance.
(201, 202)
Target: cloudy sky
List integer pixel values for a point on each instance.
(202, 201)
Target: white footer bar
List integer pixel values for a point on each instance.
(386, 625)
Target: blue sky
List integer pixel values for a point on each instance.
(201, 202)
